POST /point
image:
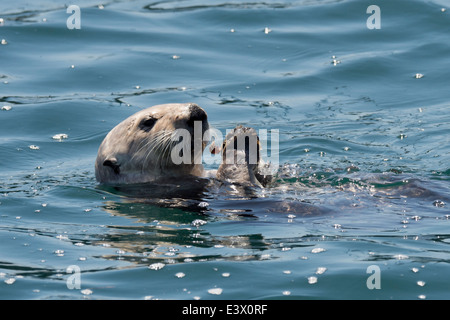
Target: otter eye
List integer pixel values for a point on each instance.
(147, 124)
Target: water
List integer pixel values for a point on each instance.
(364, 150)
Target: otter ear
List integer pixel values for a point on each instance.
(112, 162)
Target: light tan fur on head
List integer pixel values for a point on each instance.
(139, 149)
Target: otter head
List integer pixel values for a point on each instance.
(158, 142)
(241, 157)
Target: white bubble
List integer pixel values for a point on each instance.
(59, 253)
(198, 222)
(156, 266)
(312, 280)
(60, 136)
(321, 270)
(180, 275)
(10, 281)
(86, 292)
(317, 250)
(216, 291)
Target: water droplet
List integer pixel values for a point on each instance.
(180, 275)
(317, 250)
(198, 222)
(33, 147)
(286, 293)
(156, 266)
(10, 281)
(415, 270)
(225, 274)
(335, 62)
(86, 292)
(439, 203)
(4, 42)
(418, 76)
(203, 204)
(421, 283)
(312, 280)
(216, 291)
(422, 296)
(267, 30)
(321, 270)
(287, 272)
(60, 136)
(59, 253)
(175, 57)
(6, 108)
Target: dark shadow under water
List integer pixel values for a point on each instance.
(172, 213)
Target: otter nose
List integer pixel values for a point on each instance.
(196, 114)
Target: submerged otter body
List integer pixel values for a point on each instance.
(163, 141)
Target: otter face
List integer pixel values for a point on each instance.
(163, 140)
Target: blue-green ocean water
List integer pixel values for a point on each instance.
(364, 149)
